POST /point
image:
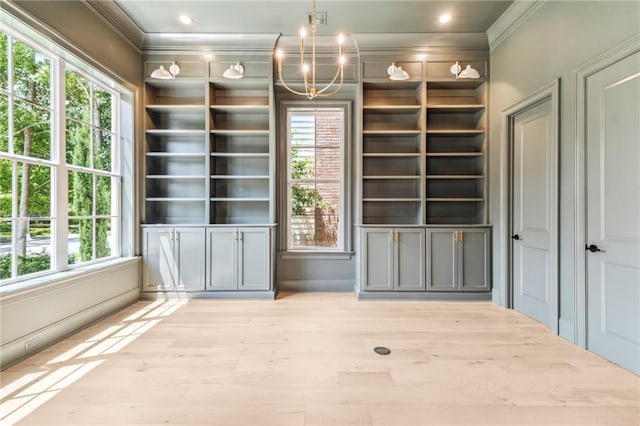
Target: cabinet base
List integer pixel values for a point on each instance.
(220, 295)
(414, 295)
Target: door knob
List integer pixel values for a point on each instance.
(592, 248)
(515, 236)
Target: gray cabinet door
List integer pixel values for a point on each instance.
(474, 260)
(458, 259)
(253, 259)
(442, 254)
(223, 259)
(189, 258)
(409, 260)
(158, 253)
(377, 259)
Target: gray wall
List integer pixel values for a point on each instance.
(81, 32)
(558, 38)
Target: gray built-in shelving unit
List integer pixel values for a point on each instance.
(423, 181)
(209, 180)
(423, 150)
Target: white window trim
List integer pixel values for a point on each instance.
(283, 200)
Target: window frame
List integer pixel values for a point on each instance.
(345, 107)
(60, 61)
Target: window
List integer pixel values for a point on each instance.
(51, 176)
(90, 135)
(315, 178)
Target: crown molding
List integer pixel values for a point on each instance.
(209, 42)
(118, 20)
(512, 18)
(419, 42)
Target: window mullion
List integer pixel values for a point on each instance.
(14, 165)
(60, 184)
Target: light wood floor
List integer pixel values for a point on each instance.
(308, 359)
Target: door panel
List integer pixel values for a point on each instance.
(532, 192)
(474, 262)
(612, 212)
(222, 259)
(253, 255)
(410, 260)
(441, 260)
(377, 259)
(159, 264)
(190, 258)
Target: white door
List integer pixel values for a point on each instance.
(534, 276)
(613, 212)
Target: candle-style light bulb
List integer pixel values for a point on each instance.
(303, 32)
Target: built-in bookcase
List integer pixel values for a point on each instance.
(208, 157)
(392, 125)
(423, 148)
(455, 152)
(176, 152)
(240, 152)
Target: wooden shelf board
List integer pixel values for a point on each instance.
(164, 107)
(455, 131)
(184, 177)
(239, 132)
(392, 108)
(239, 199)
(370, 177)
(182, 199)
(391, 199)
(239, 154)
(241, 108)
(176, 154)
(391, 132)
(455, 176)
(393, 154)
(455, 154)
(391, 177)
(175, 132)
(459, 107)
(239, 177)
(447, 199)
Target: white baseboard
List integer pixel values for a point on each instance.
(566, 330)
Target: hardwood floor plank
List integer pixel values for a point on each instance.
(307, 359)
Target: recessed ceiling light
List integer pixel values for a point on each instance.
(445, 17)
(185, 19)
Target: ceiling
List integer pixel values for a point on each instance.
(287, 16)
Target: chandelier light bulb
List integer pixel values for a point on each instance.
(342, 60)
(340, 39)
(444, 18)
(305, 68)
(303, 32)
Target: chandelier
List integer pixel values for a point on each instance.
(311, 90)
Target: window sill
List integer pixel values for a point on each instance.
(41, 282)
(317, 255)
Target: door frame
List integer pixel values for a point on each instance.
(549, 92)
(579, 81)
